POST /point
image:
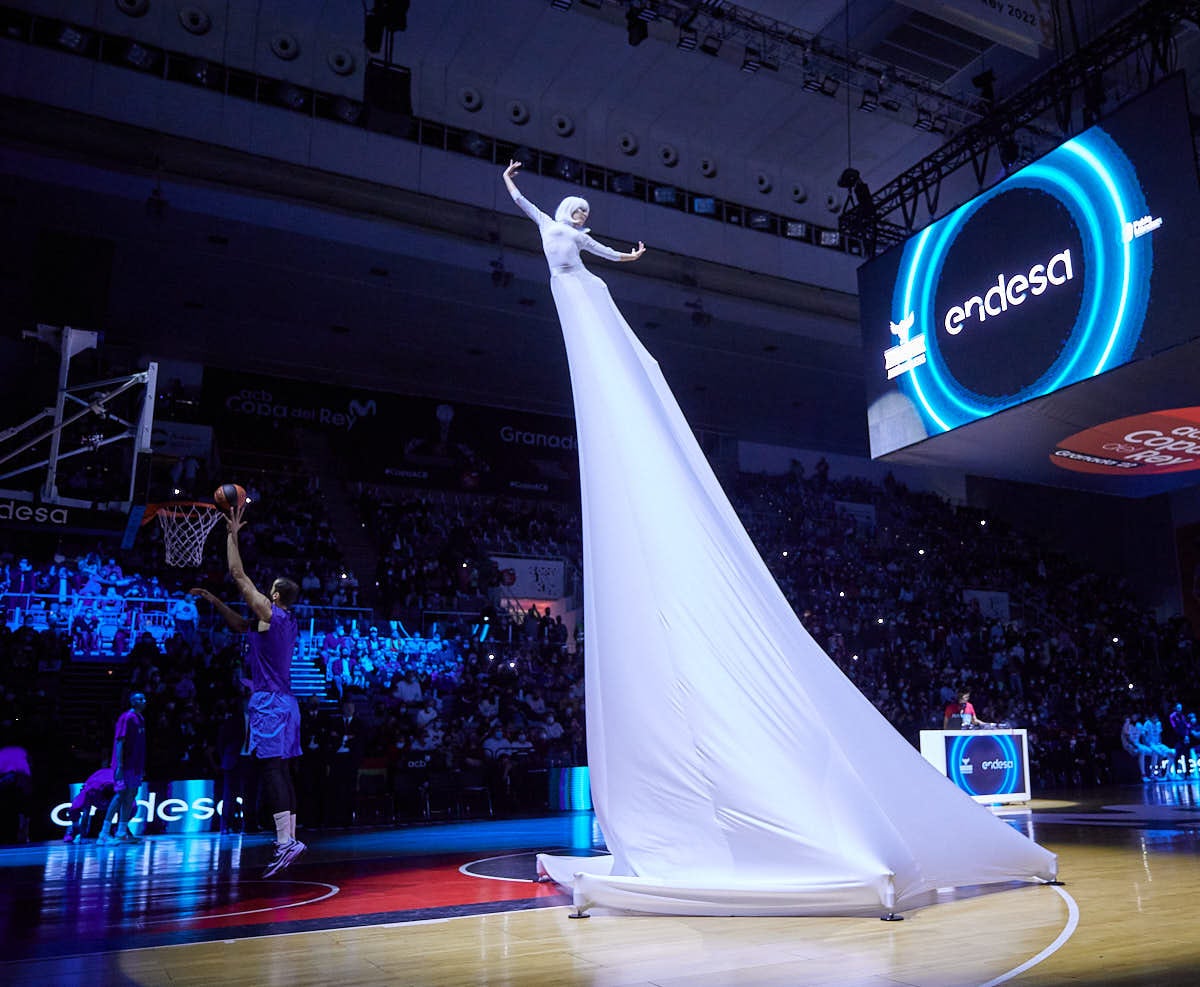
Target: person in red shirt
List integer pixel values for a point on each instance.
(960, 715)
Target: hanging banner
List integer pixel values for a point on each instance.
(543, 579)
(1023, 25)
(410, 441)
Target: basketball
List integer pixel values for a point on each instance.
(228, 496)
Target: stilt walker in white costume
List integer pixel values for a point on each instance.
(735, 770)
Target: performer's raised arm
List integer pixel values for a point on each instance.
(527, 207)
(509, 176)
(572, 212)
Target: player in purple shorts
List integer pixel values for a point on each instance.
(273, 711)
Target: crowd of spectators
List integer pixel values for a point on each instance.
(914, 598)
(884, 592)
(435, 548)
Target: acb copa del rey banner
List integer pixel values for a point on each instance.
(381, 437)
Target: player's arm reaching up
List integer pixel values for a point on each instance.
(259, 604)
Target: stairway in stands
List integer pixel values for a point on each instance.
(88, 690)
(358, 549)
(308, 679)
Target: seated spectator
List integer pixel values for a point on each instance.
(497, 743)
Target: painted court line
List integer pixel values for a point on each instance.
(1067, 931)
(332, 890)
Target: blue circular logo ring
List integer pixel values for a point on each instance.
(1008, 751)
(1091, 176)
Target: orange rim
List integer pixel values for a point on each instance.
(176, 508)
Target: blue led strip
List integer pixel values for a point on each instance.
(1097, 184)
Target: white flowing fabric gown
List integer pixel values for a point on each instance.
(734, 768)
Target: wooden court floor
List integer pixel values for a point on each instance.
(1126, 915)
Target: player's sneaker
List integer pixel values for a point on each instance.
(285, 854)
(128, 837)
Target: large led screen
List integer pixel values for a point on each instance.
(1066, 269)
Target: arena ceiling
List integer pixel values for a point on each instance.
(249, 262)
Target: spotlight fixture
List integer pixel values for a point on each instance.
(795, 230)
(476, 144)
(829, 85)
(687, 39)
(293, 97)
(924, 121)
(751, 62)
(849, 178)
(811, 83)
(830, 238)
(568, 169)
(73, 39)
(347, 110)
(869, 102)
(561, 4)
(623, 184)
(141, 57)
(711, 44)
(198, 72)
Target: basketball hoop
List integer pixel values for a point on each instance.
(185, 526)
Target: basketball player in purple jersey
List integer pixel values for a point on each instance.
(128, 768)
(273, 711)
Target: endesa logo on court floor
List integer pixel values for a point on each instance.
(1039, 282)
(1155, 442)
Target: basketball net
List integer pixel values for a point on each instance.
(185, 527)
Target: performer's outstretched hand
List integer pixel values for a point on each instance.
(509, 172)
(636, 252)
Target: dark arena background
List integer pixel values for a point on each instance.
(921, 276)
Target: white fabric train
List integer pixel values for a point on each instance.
(734, 768)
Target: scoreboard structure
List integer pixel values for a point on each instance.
(1044, 331)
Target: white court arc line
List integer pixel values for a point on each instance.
(332, 890)
(490, 877)
(1067, 931)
